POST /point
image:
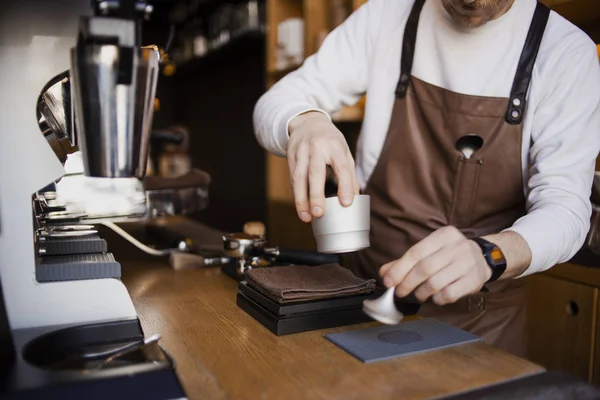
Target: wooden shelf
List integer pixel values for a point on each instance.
(237, 48)
(583, 13)
(278, 74)
(349, 114)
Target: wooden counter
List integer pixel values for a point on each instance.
(222, 353)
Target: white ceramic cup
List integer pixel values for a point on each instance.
(343, 229)
(291, 38)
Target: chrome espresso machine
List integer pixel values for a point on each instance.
(74, 76)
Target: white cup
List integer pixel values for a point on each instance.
(290, 38)
(343, 229)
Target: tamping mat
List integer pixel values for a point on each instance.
(391, 341)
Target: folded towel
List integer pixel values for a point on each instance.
(301, 283)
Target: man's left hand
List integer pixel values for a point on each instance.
(445, 266)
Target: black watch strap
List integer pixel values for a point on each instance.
(493, 256)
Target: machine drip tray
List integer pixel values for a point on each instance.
(84, 361)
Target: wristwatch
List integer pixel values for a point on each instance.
(493, 256)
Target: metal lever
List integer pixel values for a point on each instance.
(122, 351)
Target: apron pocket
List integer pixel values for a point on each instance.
(464, 191)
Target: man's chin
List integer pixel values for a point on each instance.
(470, 22)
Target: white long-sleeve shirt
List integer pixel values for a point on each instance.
(561, 128)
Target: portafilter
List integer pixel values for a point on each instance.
(251, 251)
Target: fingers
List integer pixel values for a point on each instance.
(418, 259)
(343, 167)
(355, 179)
(299, 177)
(422, 271)
(317, 174)
(397, 270)
(439, 281)
(394, 274)
(465, 285)
(385, 268)
(314, 145)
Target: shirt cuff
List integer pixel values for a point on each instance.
(283, 133)
(544, 254)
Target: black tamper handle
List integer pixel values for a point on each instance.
(305, 257)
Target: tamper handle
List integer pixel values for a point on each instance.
(304, 257)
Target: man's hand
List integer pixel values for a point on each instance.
(444, 266)
(314, 144)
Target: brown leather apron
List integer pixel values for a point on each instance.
(422, 183)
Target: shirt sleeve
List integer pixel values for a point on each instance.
(334, 76)
(565, 144)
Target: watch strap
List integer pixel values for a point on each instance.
(498, 266)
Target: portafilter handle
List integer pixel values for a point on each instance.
(250, 250)
(300, 257)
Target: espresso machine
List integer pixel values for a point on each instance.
(76, 82)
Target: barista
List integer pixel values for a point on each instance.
(510, 79)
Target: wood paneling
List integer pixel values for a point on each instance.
(285, 229)
(220, 352)
(596, 362)
(358, 3)
(576, 273)
(316, 19)
(279, 186)
(582, 13)
(562, 323)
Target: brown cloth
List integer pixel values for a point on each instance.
(301, 283)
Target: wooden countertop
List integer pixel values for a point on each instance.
(222, 353)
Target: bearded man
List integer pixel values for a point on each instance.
(478, 148)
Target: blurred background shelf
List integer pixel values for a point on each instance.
(231, 53)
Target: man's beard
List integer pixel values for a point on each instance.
(477, 12)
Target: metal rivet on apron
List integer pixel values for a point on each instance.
(477, 303)
(404, 78)
(517, 102)
(515, 114)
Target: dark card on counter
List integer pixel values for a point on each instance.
(406, 338)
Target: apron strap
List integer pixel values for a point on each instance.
(408, 48)
(516, 105)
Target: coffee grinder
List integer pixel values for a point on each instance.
(81, 75)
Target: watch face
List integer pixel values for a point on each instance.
(497, 256)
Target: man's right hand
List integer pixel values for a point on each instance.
(314, 144)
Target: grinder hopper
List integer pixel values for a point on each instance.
(113, 92)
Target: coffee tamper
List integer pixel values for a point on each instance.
(383, 308)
